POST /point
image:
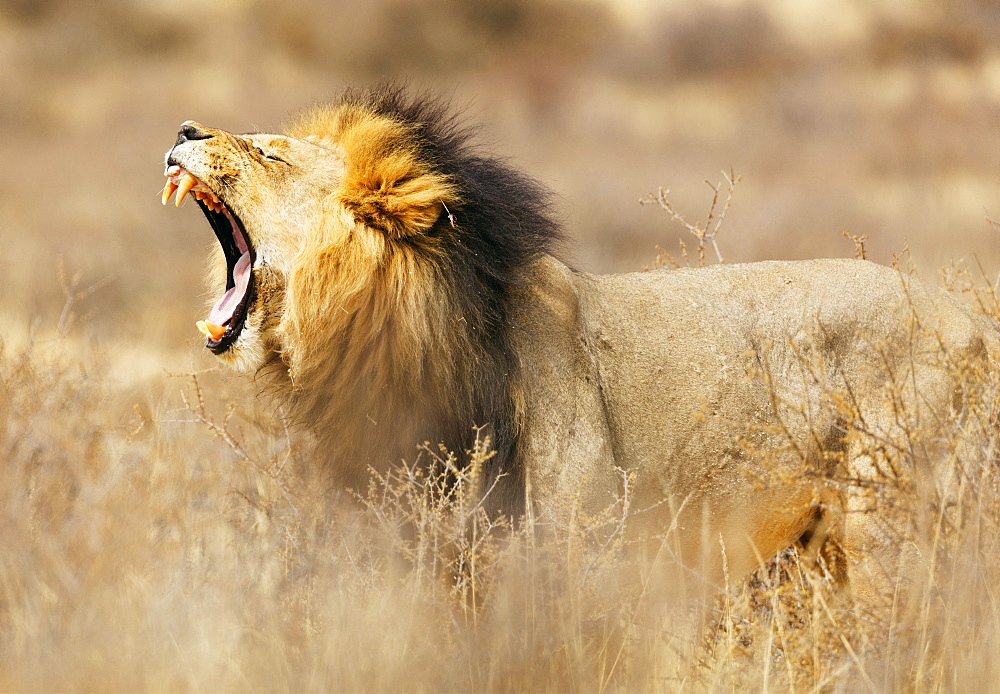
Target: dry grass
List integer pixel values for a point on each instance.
(190, 545)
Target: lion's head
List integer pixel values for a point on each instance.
(368, 252)
(342, 180)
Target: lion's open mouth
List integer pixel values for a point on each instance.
(226, 319)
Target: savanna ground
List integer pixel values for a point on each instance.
(162, 530)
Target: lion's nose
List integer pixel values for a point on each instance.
(192, 131)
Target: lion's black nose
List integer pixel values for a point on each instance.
(191, 131)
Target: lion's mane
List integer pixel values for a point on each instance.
(400, 330)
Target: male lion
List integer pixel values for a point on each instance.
(396, 286)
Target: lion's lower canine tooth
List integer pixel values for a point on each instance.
(210, 329)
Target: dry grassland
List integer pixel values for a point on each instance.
(191, 547)
(162, 530)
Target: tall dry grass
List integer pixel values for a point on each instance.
(187, 542)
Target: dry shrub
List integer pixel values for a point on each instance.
(935, 495)
(192, 547)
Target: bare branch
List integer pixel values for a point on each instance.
(706, 232)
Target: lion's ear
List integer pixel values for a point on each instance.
(388, 184)
(392, 201)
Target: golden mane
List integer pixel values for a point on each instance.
(413, 321)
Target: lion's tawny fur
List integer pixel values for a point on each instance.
(406, 291)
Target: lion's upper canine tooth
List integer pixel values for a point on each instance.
(184, 187)
(211, 329)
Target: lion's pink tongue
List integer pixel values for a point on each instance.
(223, 310)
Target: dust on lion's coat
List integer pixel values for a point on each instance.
(406, 291)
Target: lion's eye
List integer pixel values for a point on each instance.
(269, 157)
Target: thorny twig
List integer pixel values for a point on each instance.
(618, 535)
(992, 222)
(706, 231)
(74, 294)
(200, 415)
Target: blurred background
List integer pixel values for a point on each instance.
(877, 117)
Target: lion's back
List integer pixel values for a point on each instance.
(669, 342)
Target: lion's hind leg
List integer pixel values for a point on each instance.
(821, 545)
(848, 546)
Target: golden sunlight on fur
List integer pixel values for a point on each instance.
(394, 286)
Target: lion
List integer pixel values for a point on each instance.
(394, 285)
